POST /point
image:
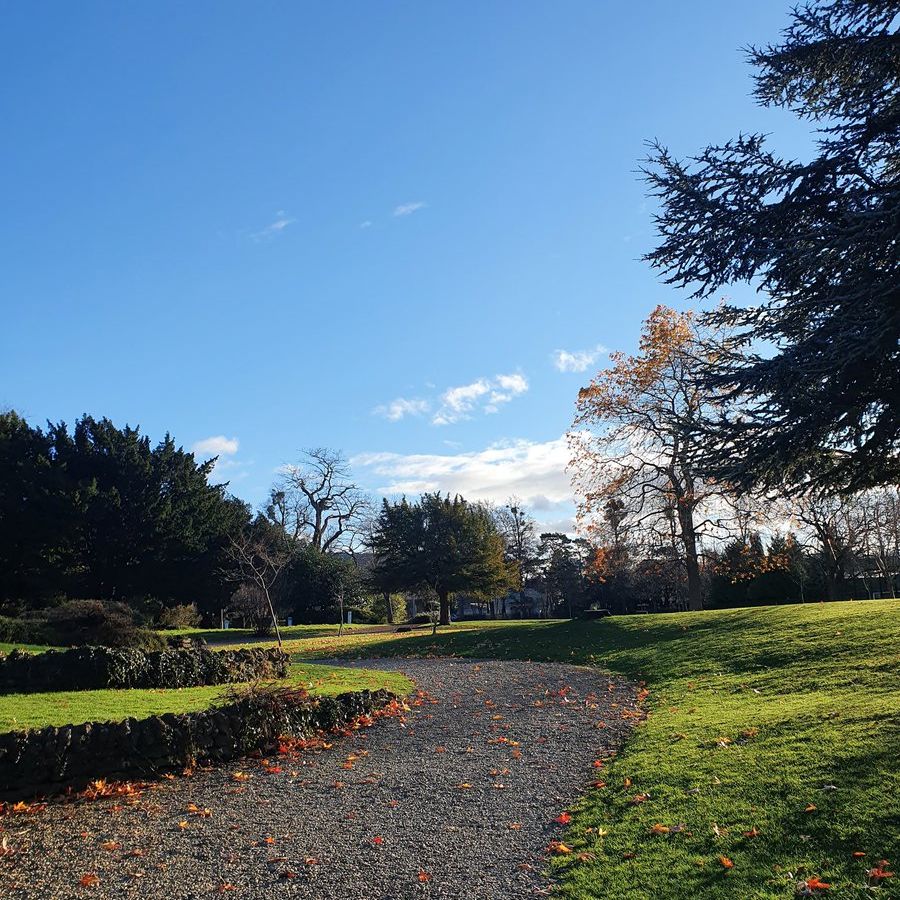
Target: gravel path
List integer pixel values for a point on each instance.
(455, 801)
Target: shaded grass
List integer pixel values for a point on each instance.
(782, 720)
(20, 711)
(29, 648)
(249, 636)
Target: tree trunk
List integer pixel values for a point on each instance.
(389, 606)
(691, 559)
(445, 607)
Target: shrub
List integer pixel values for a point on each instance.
(21, 631)
(98, 668)
(98, 623)
(185, 615)
(363, 616)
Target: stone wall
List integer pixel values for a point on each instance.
(92, 668)
(46, 760)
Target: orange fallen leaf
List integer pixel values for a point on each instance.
(424, 876)
(563, 819)
(752, 833)
(810, 807)
(225, 887)
(240, 776)
(726, 862)
(89, 879)
(182, 824)
(378, 840)
(111, 845)
(659, 829)
(814, 884)
(311, 861)
(515, 826)
(858, 854)
(878, 873)
(558, 847)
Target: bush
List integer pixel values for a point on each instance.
(186, 615)
(99, 668)
(100, 624)
(363, 616)
(21, 631)
(422, 618)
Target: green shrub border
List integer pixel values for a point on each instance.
(50, 759)
(99, 668)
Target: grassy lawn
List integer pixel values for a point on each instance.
(247, 635)
(19, 711)
(771, 751)
(31, 648)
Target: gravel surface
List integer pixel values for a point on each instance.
(455, 799)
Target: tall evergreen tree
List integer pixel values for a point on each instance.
(445, 544)
(101, 513)
(810, 376)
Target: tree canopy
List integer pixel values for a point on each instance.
(443, 543)
(811, 375)
(98, 512)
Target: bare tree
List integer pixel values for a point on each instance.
(517, 528)
(317, 502)
(258, 560)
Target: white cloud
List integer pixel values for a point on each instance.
(407, 209)
(366, 224)
(217, 445)
(577, 360)
(274, 228)
(533, 471)
(488, 394)
(402, 407)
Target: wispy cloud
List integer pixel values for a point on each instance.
(402, 407)
(532, 470)
(217, 445)
(273, 229)
(224, 448)
(486, 394)
(407, 209)
(577, 360)
(366, 224)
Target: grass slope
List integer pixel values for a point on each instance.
(20, 711)
(772, 743)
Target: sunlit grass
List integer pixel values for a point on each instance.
(772, 743)
(21, 711)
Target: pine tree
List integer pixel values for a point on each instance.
(810, 376)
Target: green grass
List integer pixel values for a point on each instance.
(31, 648)
(248, 636)
(752, 713)
(20, 711)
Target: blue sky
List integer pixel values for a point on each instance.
(370, 226)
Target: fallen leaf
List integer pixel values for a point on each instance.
(563, 819)
(810, 807)
(89, 879)
(659, 829)
(424, 876)
(726, 862)
(752, 833)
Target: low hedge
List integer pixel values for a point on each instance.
(98, 668)
(49, 759)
